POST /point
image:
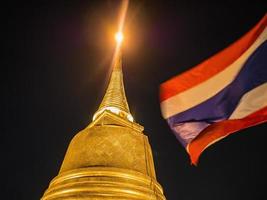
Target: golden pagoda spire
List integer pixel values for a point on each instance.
(115, 100)
(111, 158)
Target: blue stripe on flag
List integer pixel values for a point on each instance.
(222, 105)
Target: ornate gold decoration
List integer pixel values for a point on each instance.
(115, 98)
(111, 158)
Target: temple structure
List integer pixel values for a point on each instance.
(111, 158)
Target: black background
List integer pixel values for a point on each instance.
(55, 68)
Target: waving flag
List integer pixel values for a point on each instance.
(223, 94)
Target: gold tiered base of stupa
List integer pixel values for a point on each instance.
(109, 159)
(103, 183)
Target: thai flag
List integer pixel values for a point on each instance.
(223, 94)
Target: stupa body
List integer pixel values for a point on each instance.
(109, 159)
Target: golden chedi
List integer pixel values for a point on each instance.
(111, 158)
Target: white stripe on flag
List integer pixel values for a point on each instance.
(251, 102)
(210, 87)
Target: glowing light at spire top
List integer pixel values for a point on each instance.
(122, 15)
(119, 37)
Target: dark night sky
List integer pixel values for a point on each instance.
(56, 65)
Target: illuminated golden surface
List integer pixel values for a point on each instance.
(103, 183)
(111, 158)
(115, 98)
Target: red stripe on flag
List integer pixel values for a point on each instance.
(219, 130)
(211, 66)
